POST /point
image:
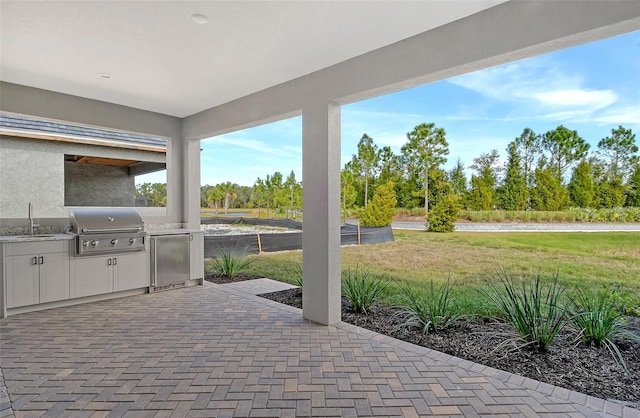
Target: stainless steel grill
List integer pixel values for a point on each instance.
(107, 231)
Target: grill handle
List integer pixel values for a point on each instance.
(112, 230)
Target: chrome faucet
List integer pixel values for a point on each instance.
(30, 218)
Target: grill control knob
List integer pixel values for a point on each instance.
(132, 240)
(94, 243)
(85, 243)
(114, 241)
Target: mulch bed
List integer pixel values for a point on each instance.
(219, 279)
(587, 369)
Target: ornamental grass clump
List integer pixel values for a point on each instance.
(431, 312)
(297, 278)
(533, 308)
(229, 265)
(363, 288)
(597, 321)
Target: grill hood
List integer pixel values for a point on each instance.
(105, 221)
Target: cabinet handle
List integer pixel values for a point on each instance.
(34, 261)
(41, 259)
(115, 261)
(108, 262)
(154, 273)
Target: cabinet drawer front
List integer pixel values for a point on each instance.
(22, 281)
(42, 247)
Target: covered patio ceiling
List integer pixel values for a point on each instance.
(154, 55)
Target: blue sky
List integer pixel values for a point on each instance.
(591, 88)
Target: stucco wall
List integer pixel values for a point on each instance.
(98, 185)
(180, 154)
(33, 170)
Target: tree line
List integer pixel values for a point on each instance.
(549, 171)
(274, 193)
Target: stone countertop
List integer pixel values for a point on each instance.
(172, 231)
(36, 237)
(55, 237)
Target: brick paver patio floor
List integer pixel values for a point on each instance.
(218, 350)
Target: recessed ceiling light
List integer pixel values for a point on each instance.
(201, 19)
(105, 75)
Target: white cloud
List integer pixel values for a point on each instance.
(282, 151)
(394, 141)
(518, 81)
(295, 150)
(595, 99)
(624, 115)
(243, 156)
(238, 142)
(246, 175)
(375, 123)
(537, 87)
(380, 115)
(468, 148)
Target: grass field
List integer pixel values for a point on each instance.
(469, 260)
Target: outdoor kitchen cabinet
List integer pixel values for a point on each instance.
(36, 272)
(107, 274)
(196, 251)
(131, 271)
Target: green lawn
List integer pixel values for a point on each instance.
(469, 260)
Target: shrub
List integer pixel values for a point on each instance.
(533, 309)
(229, 265)
(595, 317)
(403, 212)
(624, 300)
(444, 214)
(626, 214)
(380, 211)
(560, 216)
(537, 217)
(548, 193)
(634, 214)
(362, 288)
(297, 278)
(618, 214)
(435, 311)
(498, 216)
(418, 212)
(582, 214)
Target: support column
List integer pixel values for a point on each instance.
(191, 183)
(321, 208)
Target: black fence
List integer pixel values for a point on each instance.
(241, 245)
(356, 235)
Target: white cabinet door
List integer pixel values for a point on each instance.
(131, 271)
(91, 276)
(37, 272)
(23, 287)
(100, 275)
(197, 256)
(54, 277)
